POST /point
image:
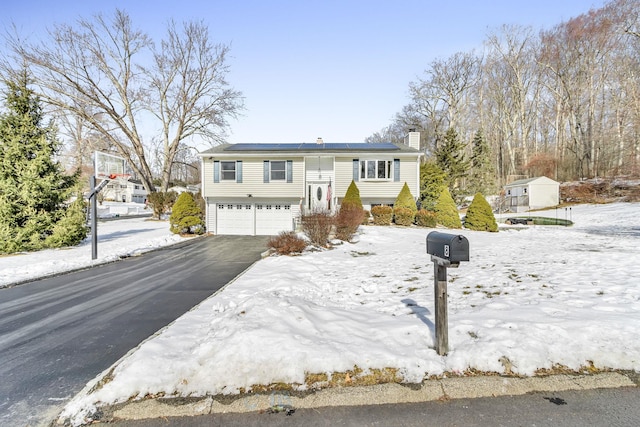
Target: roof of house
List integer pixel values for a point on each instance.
(527, 181)
(334, 147)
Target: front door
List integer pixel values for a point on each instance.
(319, 197)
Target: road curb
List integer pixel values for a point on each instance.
(431, 390)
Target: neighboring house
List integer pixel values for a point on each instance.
(262, 189)
(125, 191)
(533, 193)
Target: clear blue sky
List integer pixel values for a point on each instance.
(307, 69)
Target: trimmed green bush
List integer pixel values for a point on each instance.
(382, 215)
(425, 218)
(403, 216)
(405, 200)
(186, 216)
(446, 211)
(480, 216)
(352, 197)
(350, 215)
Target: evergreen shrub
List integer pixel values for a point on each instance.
(382, 215)
(405, 200)
(317, 227)
(186, 216)
(480, 216)
(403, 216)
(287, 243)
(425, 218)
(446, 211)
(350, 215)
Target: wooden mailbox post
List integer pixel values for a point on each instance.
(446, 250)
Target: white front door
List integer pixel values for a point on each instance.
(320, 197)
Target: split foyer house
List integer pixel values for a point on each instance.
(533, 193)
(263, 189)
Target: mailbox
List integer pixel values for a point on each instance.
(449, 247)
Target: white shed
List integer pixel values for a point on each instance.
(532, 193)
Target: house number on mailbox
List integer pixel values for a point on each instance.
(446, 250)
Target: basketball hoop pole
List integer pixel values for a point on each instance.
(94, 218)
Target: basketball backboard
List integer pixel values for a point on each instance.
(108, 166)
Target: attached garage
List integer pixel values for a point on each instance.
(272, 218)
(261, 219)
(235, 218)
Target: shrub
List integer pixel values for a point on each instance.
(186, 216)
(287, 243)
(366, 217)
(161, 202)
(446, 211)
(403, 216)
(348, 220)
(405, 200)
(425, 218)
(71, 229)
(382, 215)
(480, 216)
(352, 197)
(317, 227)
(350, 215)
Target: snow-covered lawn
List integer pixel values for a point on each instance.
(530, 298)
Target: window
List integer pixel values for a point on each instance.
(376, 170)
(278, 170)
(228, 171)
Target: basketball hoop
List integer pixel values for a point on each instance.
(119, 177)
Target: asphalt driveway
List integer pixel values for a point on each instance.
(56, 334)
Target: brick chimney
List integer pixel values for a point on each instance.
(319, 141)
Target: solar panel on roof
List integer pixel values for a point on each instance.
(332, 146)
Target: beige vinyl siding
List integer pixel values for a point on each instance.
(371, 190)
(252, 181)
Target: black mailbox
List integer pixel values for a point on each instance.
(450, 247)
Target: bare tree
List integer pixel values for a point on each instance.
(114, 78)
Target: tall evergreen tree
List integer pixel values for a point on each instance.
(451, 159)
(482, 178)
(432, 181)
(34, 191)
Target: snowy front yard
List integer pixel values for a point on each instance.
(529, 299)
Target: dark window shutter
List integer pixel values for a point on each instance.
(289, 170)
(396, 170)
(266, 171)
(239, 171)
(216, 171)
(356, 169)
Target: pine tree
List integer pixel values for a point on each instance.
(446, 211)
(482, 177)
(432, 181)
(451, 159)
(480, 216)
(34, 191)
(186, 216)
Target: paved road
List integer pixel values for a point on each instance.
(605, 407)
(59, 333)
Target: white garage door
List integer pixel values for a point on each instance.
(272, 218)
(235, 218)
